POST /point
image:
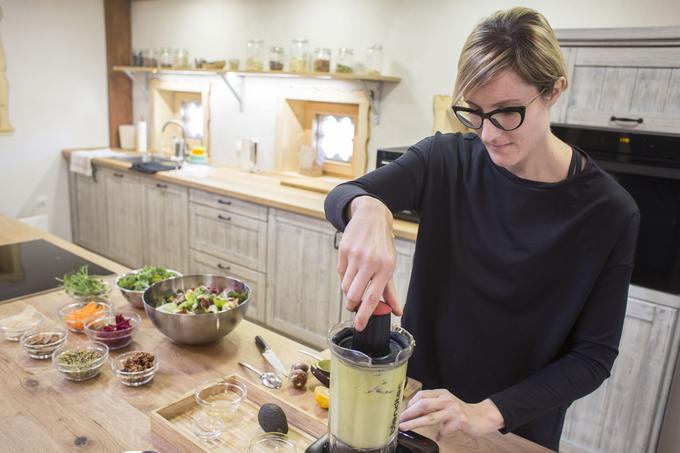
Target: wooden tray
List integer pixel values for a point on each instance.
(174, 423)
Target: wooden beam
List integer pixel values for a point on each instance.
(118, 52)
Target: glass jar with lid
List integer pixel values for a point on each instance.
(374, 56)
(255, 55)
(181, 59)
(165, 58)
(299, 55)
(345, 61)
(276, 58)
(322, 60)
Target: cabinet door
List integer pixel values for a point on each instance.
(401, 276)
(124, 209)
(625, 413)
(166, 225)
(88, 212)
(202, 263)
(558, 111)
(241, 239)
(303, 289)
(611, 86)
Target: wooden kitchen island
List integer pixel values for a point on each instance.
(41, 411)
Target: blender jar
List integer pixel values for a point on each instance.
(366, 392)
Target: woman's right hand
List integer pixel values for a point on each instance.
(367, 259)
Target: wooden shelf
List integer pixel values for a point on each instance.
(307, 75)
(374, 95)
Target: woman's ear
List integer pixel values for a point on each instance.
(558, 88)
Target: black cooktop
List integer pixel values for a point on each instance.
(32, 267)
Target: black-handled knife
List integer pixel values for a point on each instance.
(270, 356)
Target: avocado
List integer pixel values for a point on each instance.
(272, 419)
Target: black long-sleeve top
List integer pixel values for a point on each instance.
(519, 288)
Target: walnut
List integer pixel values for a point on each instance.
(298, 378)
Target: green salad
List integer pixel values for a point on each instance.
(145, 277)
(202, 299)
(80, 283)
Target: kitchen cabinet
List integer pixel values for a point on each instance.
(166, 225)
(625, 413)
(88, 212)
(228, 234)
(303, 289)
(202, 263)
(124, 216)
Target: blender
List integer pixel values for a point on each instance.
(368, 377)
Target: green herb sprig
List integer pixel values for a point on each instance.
(80, 283)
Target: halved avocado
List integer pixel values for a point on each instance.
(322, 371)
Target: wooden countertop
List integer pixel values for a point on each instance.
(262, 188)
(42, 411)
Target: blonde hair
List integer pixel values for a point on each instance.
(519, 39)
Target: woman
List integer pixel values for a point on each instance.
(524, 251)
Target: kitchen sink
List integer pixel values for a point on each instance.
(135, 159)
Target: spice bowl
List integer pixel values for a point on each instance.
(142, 366)
(76, 315)
(112, 331)
(14, 333)
(80, 361)
(41, 343)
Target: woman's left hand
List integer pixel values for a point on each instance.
(442, 409)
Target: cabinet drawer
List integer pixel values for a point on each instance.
(234, 205)
(239, 239)
(202, 263)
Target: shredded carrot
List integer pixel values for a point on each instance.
(77, 318)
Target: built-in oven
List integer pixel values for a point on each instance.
(648, 166)
(383, 157)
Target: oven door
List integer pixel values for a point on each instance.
(657, 193)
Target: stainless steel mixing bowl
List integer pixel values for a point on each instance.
(194, 329)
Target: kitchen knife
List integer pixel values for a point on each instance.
(271, 357)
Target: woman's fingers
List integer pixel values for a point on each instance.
(358, 287)
(390, 296)
(370, 299)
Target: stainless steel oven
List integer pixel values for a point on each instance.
(648, 166)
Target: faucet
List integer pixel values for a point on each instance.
(178, 145)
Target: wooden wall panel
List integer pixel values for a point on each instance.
(118, 52)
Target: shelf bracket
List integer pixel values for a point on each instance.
(374, 99)
(237, 95)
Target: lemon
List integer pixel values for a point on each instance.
(322, 397)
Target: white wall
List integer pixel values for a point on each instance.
(56, 67)
(421, 41)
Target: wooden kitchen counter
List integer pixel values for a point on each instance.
(264, 189)
(42, 411)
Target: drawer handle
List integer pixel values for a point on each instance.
(630, 120)
(162, 186)
(226, 202)
(226, 268)
(118, 175)
(221, 217)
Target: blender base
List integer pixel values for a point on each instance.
(407, 442)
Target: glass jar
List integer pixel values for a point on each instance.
(322, 60)
(165, 58)
(255, 55)
(276, 58)
(345, 63)
(374, 56)
(148, 58)
(181, 59)
(299, 55)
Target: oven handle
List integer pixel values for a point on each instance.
(630, 120)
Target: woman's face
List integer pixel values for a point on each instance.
(510, 149)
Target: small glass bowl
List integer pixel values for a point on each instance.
(114, 339)
(43, 350)
(270, 442)
(14, 334)
(78, 325)
(133, 378)
(80, 372)
(216, 400)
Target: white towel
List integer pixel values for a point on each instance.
(81, 161)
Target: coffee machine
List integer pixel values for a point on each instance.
(368, 377)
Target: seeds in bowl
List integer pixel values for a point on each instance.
(138, 361)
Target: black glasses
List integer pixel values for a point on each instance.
(507, 118)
